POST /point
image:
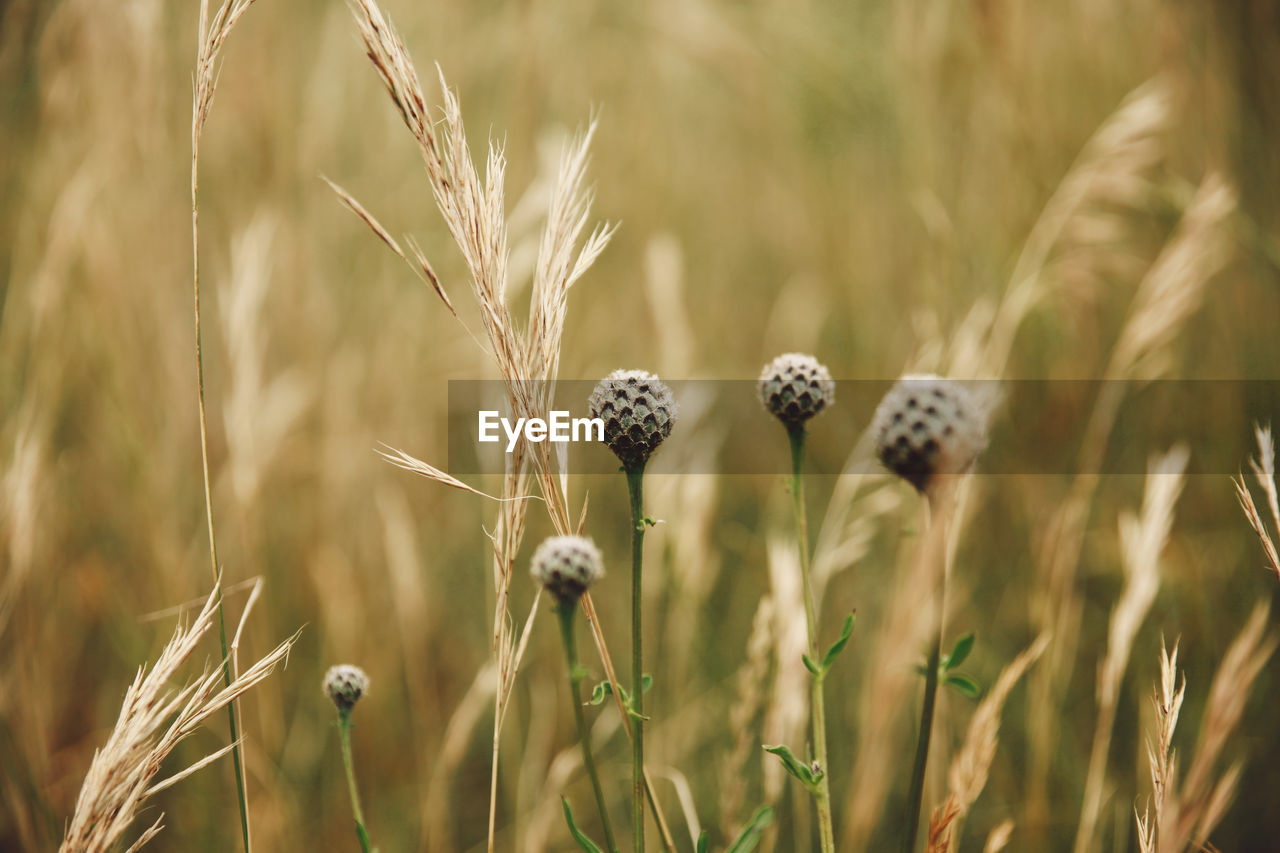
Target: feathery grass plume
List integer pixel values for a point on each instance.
(566, 567)
(787, 709)
(154, 718)
(638, 410)
(794, 388)
(972, 764)
(345, 685)
(998, 838)
(929, 431)
(1169, 293)
(258, 410)
(750, 695)
(1160, 754)
(1111, 170)
(1264, 471)
(213, 32)
(473, 211)
(1142, 540)
(1187, 814)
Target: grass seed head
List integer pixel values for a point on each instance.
(567, 566)
(638, 410)
(345, 684)
(794, 387)
(928, 426)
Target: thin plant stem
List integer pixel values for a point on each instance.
(344, 734)
(817, 701)
(635, 487)
(938, 510)
(576, 673)
(916, 794)
(232, 717)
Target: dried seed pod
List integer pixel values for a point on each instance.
(344, 685)
(794, 387)
(567, 566)
(638, 410)
(928, 426)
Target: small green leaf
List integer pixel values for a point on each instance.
(845, 633)
(646, 681)
(585, 843)
(650, 522)
(795, 766)
(810, 665)
(959, 652)
(601, 692)
(703, 843)
(963, 684)
(750, 835)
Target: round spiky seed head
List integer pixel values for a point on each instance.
(638, 410)
(928, 426)
(567, 566)
(794, 387)
(345, 684)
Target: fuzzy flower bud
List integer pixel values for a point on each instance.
(638, 410)
(345, 684)
(567, 566)
(794, 387)
(928, 426)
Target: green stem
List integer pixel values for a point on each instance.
(635, 486)
(236, 758)
(344, 734)
(922, 744)
(566, 611)
(817, 702)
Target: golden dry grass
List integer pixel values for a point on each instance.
(982, 189)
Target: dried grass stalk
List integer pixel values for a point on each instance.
(1142, 541)
(154, 718)
(1186, 815)
(1264, 471)
(474, 212)
(972, 764)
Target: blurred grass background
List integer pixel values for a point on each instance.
(843, 178)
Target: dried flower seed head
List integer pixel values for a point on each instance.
(928, 426)
(794, 387)
(638, 410)
(345, 684)
(567, 566)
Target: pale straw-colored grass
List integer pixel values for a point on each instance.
(1264, 472)
(1142, 541)
(526, 357)
(1188, 810)
(751, 682)
(154, 718)
(1170, 292)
